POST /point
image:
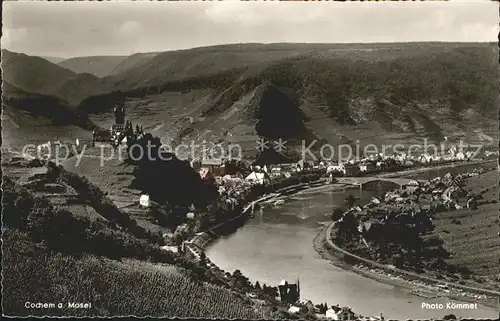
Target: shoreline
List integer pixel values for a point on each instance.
(204, 239)
(320, 245)
(289, 190)
(437, 167)
(418, 283)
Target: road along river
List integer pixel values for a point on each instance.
(278, 244)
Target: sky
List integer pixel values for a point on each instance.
(71, 29)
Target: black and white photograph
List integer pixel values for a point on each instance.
(252, 160)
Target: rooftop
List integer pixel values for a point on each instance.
(212, 161)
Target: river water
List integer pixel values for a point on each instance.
(278, 244)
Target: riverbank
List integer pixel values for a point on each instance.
(415, 284)
(436, 167)
(203, 239)
(423, 285)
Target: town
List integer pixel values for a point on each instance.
(250, 162)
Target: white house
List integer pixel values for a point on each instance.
(340, 314)
(460, 155)
(335, 168)
(408, 163)
(173, 249)
(144, 200)
(256, 178)
(412, 186)
(425, 158)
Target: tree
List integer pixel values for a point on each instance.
(350, 200)
(450, 317)
(348, 227)
(237, 273)
(180, 184)
(257, 286)
(272, 291)
(337, 214)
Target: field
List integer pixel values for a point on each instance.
(108, 172)
(129, 287)
(19, 128)
(472, 235)
(159, 114)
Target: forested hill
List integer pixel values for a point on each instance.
(418, 89)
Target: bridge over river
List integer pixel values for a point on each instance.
(373, 181)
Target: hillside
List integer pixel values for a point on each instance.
(199, 62)
(132, 61)
(99, 66)
(35, 119)
(338, 93)
(472, 235)
(54, 60)
(36, 75)
(63, 241)
(375, 93)
(49, 108)
(33, 74)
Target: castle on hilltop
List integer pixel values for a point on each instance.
(120, 132)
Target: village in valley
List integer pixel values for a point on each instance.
(370, 231)
(362, 229)
(250, 163)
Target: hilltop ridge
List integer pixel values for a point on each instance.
(344, 92)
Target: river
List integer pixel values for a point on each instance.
(277, 244)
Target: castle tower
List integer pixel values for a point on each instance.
(289, 292)
(119, 115)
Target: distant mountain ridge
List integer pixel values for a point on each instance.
(54, 60)
(37, 75)
(33, 74)
(102, 66)
(132, 61)
(420, 89)
(99, 66)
